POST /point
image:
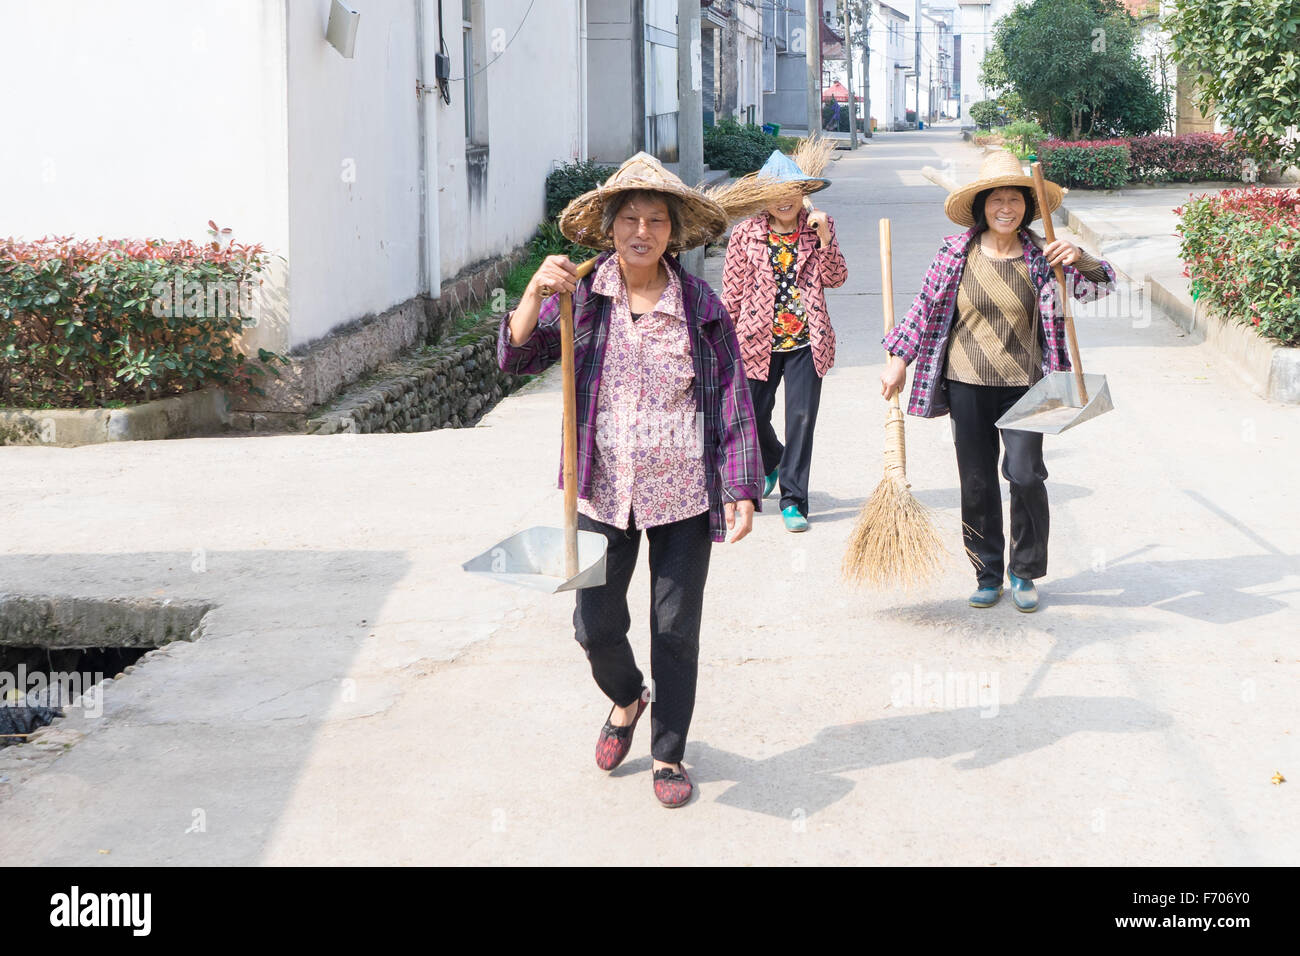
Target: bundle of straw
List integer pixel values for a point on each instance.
(894, 541)
(750, 195)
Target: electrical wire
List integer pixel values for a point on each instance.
(522, 20)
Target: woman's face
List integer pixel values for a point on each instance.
(642, 230)
(1004, 209)
(785, 207)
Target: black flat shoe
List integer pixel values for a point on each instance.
(614, 742)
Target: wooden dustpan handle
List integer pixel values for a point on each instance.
(895, 446)
(570, 428)
(1040, 190)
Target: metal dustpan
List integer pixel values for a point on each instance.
(553, 559)
(1054, 404)
(535, 559)
(1062, 399)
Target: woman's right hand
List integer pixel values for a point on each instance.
(555, 274)
(893, 378)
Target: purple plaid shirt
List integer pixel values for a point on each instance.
(733, 468)
(923, 334)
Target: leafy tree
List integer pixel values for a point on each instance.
(1075, 67)
(1248, 55)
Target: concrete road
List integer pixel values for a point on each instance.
(358, 699)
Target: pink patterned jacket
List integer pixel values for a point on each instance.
(749, 291)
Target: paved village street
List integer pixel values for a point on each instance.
(357, 698)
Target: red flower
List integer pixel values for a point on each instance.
(789, 323)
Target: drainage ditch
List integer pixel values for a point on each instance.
(55, 651)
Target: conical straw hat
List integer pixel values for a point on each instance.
(702, 219)
(999, 169)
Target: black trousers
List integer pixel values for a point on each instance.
(803, 395)
(679, 565)
(974, 409)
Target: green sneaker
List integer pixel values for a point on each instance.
(794, 521)
(769, 483)
(986, 597)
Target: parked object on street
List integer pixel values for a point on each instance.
(894, 541)
(553, 559)
(1061, 400)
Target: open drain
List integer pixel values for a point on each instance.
(55, 651)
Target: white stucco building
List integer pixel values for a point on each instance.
(370, 180)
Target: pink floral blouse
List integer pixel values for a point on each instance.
(649, 460)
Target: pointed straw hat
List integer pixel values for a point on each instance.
(702, 219)
(999, 169)
(755, 192)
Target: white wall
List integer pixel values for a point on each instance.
(145, 119)
(535, 95)
(354, 190)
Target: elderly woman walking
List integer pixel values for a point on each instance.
(778, 264)
(666, 439)
(986, 326)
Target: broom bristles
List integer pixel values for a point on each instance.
(812, 153)
(894, 542)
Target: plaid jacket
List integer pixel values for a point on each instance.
(732, 465)
(923, 334)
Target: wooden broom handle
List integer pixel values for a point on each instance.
(895, 447)
(570, 428)
(1040, 190)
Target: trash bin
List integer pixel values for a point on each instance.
(920, 125)
(772, 129)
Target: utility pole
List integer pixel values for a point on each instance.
(690, 116)
(813, 55)
(917, 66)
(866, 64)
(848, 65)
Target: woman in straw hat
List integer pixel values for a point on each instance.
(779, 264)
(656, 359)
(986, 326)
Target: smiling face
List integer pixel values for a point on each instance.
(785, 208)
(1004, 210)
(641, 230)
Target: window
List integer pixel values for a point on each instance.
(474, 58)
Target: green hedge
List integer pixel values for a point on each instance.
(568, 181)
(1091, 164)
(740, 148)
(110, 322)
(1242, 249)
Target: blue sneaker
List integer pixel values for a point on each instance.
(769, 483)
(794, 521)
(1024, 594)
(986, 596)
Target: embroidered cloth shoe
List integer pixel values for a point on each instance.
(672, 787)
(769, 482)
(794, 521)
(986, 596)
(1024, 594)
(615, 742)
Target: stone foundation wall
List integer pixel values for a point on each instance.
(451, 386)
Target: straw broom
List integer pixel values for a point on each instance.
(894, 541)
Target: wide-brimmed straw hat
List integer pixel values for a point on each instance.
(702, 220)
(999, 169)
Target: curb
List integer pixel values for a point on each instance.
(206, 410)
(1274, 370)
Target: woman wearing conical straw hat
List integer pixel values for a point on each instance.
(656, 362)
(779, 264)
(986, 326)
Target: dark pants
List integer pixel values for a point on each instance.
(803, 394)
(679, 564)
(974, 409)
